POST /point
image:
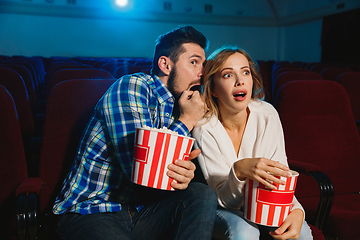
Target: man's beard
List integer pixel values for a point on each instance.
(171, 86)
(172, 83)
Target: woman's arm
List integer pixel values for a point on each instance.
(216, 165)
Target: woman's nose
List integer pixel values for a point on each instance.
(239, 83)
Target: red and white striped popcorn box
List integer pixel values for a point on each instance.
(154, 150)
(268, 207)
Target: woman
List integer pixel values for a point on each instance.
(241, 137)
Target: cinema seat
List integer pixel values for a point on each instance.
(18, 195)
(332, 72)
(351, 83)
(289, 76)
(69, 108)
(320, 133)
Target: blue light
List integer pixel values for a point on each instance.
(122, 3)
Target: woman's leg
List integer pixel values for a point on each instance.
(231, 225)
(305, 232)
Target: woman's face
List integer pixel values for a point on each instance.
(233, 84)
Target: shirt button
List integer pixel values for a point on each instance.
(171, 100)
(167, 114)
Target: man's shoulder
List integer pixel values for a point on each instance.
(136, 78)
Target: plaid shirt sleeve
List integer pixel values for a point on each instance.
(125, 107)
(131, 104)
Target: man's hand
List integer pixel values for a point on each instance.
(183, 171)
(192, 108)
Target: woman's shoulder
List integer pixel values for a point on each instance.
(262, 107)
(209, 124)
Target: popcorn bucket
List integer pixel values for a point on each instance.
(265, 206)
(154, 150)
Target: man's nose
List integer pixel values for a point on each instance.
(200, 73)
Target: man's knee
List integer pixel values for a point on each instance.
(93, 226)
(203, 193)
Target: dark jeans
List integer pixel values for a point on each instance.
(183, 214)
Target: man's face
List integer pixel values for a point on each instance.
(186, 72)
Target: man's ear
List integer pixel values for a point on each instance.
(164, 65)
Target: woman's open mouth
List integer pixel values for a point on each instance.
(240, 95)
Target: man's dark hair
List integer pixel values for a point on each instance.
(170, 44)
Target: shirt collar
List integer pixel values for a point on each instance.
(163, 92)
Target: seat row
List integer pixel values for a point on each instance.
(275, 74)
(67, 108)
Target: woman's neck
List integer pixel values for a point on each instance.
(235, 122)
(235, 127)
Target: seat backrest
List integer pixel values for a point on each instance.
(319, 128)
(74, 73)
(354, 67)
(12, 159)
(289, 69)
(266, 77)
(14, 83)
(70, 106)
(136, 69)
(28, 80)
(351, 82)
(318, 67)
(56, 66)
(111, 66)
(332, 72)
(292, 76)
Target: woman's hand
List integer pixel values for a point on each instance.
(290, 229)
(262, 170)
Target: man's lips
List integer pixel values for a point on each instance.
(196, 88)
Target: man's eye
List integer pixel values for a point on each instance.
(193, 62)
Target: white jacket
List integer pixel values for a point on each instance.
(263, 137)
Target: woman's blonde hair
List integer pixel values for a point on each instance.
(213, 65)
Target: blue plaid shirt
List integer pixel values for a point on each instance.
(99, 178)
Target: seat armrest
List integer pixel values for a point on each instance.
(27, 208)
(325, 186)
(21, 217)
(303, 167)
(29, 185)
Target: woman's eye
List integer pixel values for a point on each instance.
(246, 72)
(227, 75)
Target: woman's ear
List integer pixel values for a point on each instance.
(164, 65)
(213, 93)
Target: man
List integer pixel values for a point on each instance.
(97, 200)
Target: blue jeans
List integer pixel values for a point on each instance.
(231, 225)
(182, 214)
